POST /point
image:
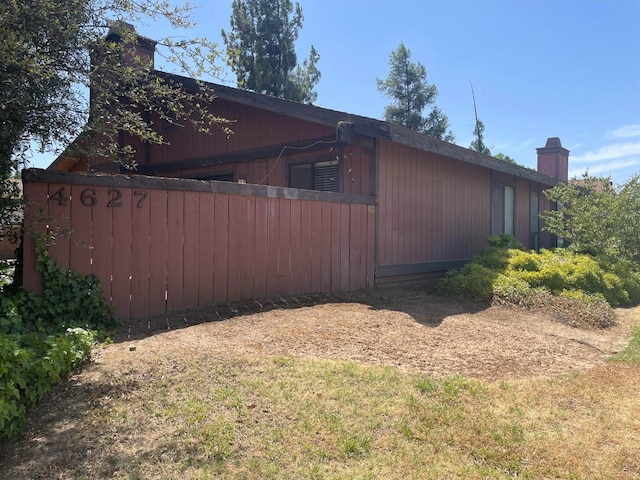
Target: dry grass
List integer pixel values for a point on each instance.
(196, 415)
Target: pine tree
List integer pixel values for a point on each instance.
(478, 131)
(478, 144)
(261, 50)
(407, 85)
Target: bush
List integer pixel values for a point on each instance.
(566, 270)
(69, 300)
(29, 366)
(514, 291)
(44, 337)
(473, 281)
(579, 287)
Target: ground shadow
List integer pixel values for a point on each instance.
(61, 442)
(413, 298)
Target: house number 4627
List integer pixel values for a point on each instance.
(89, 197)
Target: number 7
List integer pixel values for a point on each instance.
(142, 194)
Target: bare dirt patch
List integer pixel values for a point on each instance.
(406, 327)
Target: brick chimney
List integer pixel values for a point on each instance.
(121, 47)
(144, 48)
(137, 52)
(553, 160)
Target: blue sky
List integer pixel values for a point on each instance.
(561, 68)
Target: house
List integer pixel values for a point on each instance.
(433, 204)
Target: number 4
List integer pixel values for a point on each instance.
(60, 197)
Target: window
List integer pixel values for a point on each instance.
(534, 220)
(502, 209)
(322, 176)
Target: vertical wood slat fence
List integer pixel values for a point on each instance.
(160, 245)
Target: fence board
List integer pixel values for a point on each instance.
(247, 245)
(295, 239)
(207, 249)
(81, 218)
(344, 246)
(235, 248)
(158, 252)
(60, 222)
(140, 232)
(260, 249)
(305, 259)
(175, 251)
(191, 248)
(325, 260)
(102, 254)
(273, 244)
(336, 233)
(221, 253)
(371, 244)
(284, 232)
(315, 252)
(36, 209)
(121, 256)
(356, 262)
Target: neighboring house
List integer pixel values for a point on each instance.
(434, 203)
(9, 240)
(598, 184)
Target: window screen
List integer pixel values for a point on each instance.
(322, 176)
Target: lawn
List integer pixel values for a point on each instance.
(280, 395)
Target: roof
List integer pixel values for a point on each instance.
(360, 125)
(364, 126)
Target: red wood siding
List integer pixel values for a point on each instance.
(431, 208)
(254, 129)
(159, 249)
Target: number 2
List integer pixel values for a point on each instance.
(115, 200)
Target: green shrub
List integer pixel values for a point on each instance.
(69, 300)
(493, 258)
(504, 241)
(627, 275)
(472, 281)
(566, 270)
(29, 366)
(582, 288)
(513, 291)
(44, 337)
